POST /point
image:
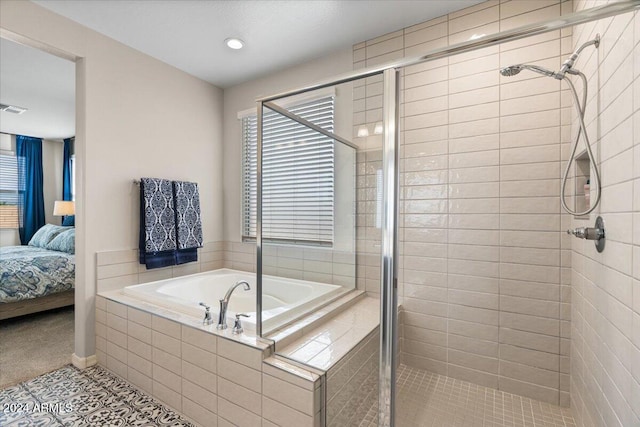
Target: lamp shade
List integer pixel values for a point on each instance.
(64, 208)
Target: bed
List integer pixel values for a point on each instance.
(34, 279)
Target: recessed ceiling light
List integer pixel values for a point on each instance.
(234, 43)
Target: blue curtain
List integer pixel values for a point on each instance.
(31, 196)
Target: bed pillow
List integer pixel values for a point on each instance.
(64, 242)
(46, 234)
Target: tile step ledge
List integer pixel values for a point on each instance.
(323, 344)
(286, 334)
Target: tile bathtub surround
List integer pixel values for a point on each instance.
(200, 373)
(324, 346)
(322, 265)
(605, 297)
(352, 384)
(345, 348)
(428, 399)
(117, 269)
(484, 267)
(93, 396)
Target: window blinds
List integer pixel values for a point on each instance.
(8, 191)
(297, 175)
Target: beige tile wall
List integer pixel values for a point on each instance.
(117, 269)
(352, 383)
(605, 332)
(212, 380)
(323, 265)
(485, 271)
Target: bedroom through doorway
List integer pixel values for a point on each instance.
(37, 211)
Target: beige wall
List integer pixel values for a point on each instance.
(136, 116)
(605, 333)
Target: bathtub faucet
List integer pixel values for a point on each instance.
(224, 302)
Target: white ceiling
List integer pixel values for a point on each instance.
(43, 83)
(189, 34)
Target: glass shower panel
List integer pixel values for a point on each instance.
(308, 207)
(321, 240)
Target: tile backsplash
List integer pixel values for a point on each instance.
(117, 269)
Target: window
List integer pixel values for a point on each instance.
(8, 191)
(73, 177)
(298, 176)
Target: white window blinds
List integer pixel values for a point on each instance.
(297, 172)
(8, 191)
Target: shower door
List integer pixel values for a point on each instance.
(326, 190)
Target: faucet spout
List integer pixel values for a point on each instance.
(227, 296)
(224, 303)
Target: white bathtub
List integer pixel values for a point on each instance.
(283, 299)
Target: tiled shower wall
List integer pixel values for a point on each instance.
(485, 270)
(605, 333)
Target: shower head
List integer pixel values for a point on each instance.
(512, 70)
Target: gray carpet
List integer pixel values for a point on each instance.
(34, 344)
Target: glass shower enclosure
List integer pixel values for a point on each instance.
(366, 195)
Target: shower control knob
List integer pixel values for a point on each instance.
(588, 233)
(591, 233)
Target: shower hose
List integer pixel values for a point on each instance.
(582, 130)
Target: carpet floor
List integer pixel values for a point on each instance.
(35, 344)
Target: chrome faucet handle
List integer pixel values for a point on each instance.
(208, 320)
(237, 326)
(597, 233)
(588, 233)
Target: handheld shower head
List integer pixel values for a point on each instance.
(512, 70)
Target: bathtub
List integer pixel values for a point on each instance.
(283, 299)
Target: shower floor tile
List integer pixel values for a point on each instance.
(92, 397)
(425, 399)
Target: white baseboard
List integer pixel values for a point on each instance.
(83, 362)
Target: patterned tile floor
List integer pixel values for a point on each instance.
(92, 397)
(425, 399)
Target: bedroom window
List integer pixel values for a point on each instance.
(73, 177)
(8, 191)
(298, 176)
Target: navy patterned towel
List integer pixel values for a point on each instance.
(157, 241)
(188, 225)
